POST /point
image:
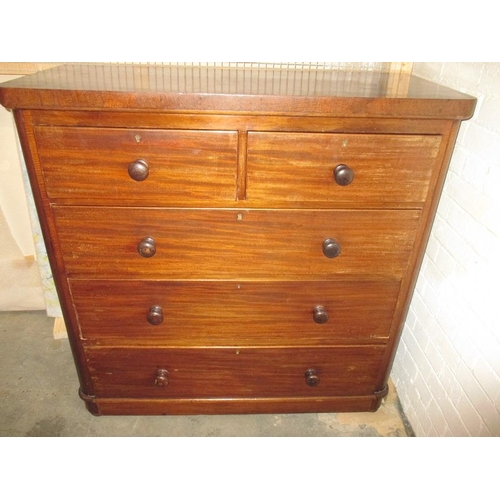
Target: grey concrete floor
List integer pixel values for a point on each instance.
(38, 391)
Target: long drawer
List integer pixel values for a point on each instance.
(194, 313)
(229, 372)
(234, 244)
(348, 170)
(92, 165)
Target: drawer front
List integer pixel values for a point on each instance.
(389, 170)
(228, 372)
(91, 165)
(190, 313)
(219, 244)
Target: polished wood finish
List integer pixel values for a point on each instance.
(205, 90)
(242, 405)
(384, 167)
(233, 241)
(228, 372)
(234, 244)
(394, 168)
(181, 164)
(238, 313)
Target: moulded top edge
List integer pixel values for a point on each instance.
(216, 89)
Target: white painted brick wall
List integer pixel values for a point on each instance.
(447, 368)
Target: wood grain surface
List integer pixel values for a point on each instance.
(208, 90)
(296, 167)
(197, 313)
(83, 163)
(234, 244)
(228, 372)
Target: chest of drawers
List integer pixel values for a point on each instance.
(233, 241)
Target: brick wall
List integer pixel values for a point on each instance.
(447, 368)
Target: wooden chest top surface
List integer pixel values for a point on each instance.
(219, 89)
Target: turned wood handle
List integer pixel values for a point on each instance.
(138, 170)
(147, 247)
(320, 315)
(161, 379)
(331, 248)
(155, 315)
(343, 175)
(312, 377)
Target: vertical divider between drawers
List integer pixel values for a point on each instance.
(241, 172)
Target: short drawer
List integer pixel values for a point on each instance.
(348, 170)
(231, 244)
(230, 372)
(137, 166)
(193, 313)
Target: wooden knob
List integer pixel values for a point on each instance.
(138, 170)
(155, 315)
(312, 378)
(331, 248)
(343, 175)
(320, 315)
(161, 379)
(147, 247)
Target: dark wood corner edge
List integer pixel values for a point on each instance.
(379, 396)
(90, 403)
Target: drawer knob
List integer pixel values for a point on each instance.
(331, 248)
(147, 247)
(320, 315)
(161, 379)
(155, 315)
(343, 175)
(312, 378)
(138, 170)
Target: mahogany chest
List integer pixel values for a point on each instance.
(233, 240)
